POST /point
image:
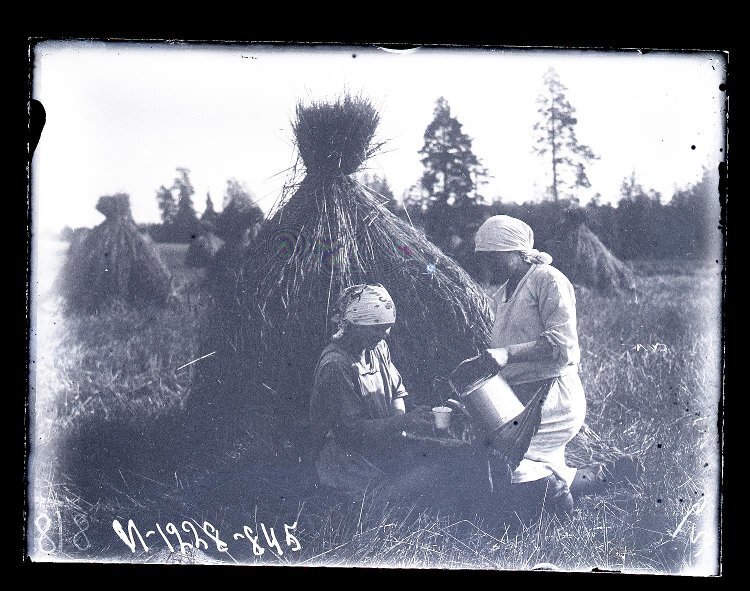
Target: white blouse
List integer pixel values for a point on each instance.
(543, 305)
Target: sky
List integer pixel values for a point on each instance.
(122, 116)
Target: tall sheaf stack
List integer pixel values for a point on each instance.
(330, 231)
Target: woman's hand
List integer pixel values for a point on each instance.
(533, 351)
(497, 356)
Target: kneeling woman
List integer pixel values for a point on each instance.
(535, 343)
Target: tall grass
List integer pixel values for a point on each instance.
(651, 372)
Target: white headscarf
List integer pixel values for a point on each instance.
(502, 233)
(364, 305)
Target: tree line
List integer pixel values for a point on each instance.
(180, 222)
(448, 205)
(447, 201)
(640, 226)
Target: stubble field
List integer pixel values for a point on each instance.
(107, 390)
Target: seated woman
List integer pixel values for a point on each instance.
(357, 408)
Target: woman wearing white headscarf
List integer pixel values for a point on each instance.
(534, 338)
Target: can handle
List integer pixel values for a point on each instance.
(455, 404)
(469, 360)
(458, 367)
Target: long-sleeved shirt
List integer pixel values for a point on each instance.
(543, 305)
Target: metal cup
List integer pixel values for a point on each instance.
(441, 416)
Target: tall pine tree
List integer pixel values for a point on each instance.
(448, 188)
(556, 141)
(186, 221)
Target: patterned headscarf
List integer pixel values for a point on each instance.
(364, 305)
(502, 233)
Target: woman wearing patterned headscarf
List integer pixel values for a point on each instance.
(357, 407)
(534, 339)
